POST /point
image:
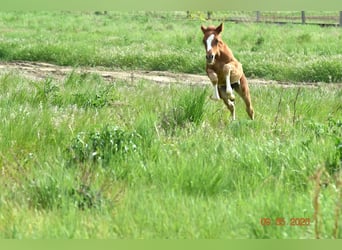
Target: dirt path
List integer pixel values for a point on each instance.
(39, 71)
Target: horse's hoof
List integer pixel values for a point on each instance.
(231, 98)
(214, 98)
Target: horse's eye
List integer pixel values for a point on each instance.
(215, 41)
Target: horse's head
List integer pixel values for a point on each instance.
(212, 41)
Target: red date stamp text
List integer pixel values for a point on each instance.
(283, 222)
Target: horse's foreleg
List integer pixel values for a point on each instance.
(215, 95)
(214, 80)
(229, 89)
(228, 68)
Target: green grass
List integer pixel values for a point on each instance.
(169, 41)
(115, 170)
(81, 157)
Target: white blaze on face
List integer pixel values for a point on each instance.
(209, 41)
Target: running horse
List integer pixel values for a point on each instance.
(225, 71)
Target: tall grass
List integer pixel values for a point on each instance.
(115, 170)
(163, 41)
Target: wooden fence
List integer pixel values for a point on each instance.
(300, 17)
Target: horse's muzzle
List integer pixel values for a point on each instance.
(210, 58)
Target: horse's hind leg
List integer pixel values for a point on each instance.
(243, 91)
(230, 104)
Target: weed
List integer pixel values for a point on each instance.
(259, 42)
(102, 146)
(90, 99)
(84, 197)
(146, 128)
(187, 108)
(304, 38)
(45, 193)
(334, 162)
(45, 91)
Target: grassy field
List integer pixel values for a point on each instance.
(82, 157)
(168, 41)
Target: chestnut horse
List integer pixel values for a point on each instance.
(224, 71)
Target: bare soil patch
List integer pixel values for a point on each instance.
(40, 71)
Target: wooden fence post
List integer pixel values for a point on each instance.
(340, 19)
(303, 17)
(258, 16)
(209, 15)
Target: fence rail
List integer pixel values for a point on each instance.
(331, 18)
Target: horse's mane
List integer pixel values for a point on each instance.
(225, 51)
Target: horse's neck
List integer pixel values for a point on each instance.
(226, 54)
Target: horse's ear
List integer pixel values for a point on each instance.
(219, 28)
(204, 29)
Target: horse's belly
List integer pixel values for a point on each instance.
(235, 76)
(221, 79)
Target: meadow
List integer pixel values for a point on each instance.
(169, 41)
(84, 157)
